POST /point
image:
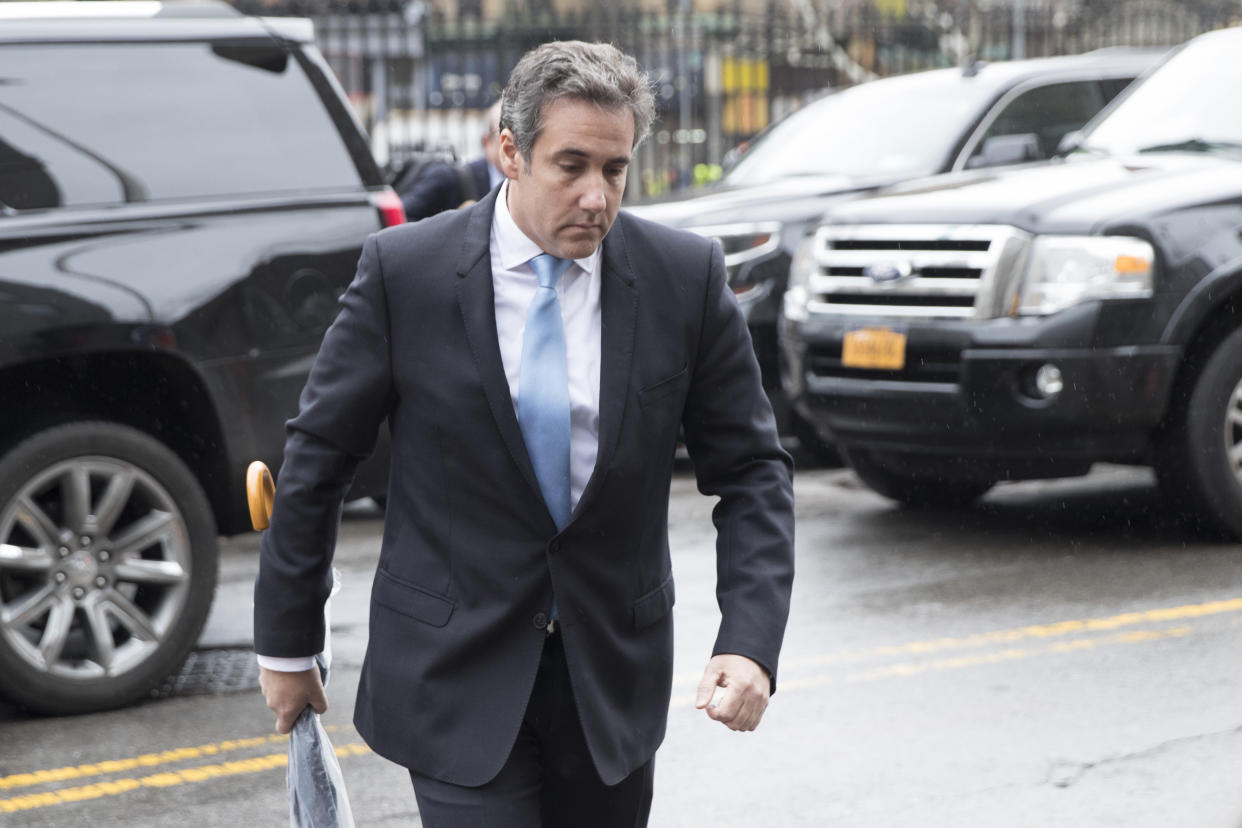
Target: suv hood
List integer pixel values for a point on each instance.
(787, 199)
(1072, 197)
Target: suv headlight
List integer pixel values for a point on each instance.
(743, 243)
(1065, 270)
(798, 289)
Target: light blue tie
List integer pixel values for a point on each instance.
(543, 389)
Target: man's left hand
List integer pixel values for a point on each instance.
(744, 690)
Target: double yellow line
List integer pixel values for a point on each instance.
(908, 669)
(921, 657)
(938, 654)
(162, 779)
(146, 760)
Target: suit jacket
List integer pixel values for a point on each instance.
(443, 186)
(471, 557)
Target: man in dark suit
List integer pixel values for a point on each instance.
(535, 357)
(446, 185)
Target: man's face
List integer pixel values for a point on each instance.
(567, 197)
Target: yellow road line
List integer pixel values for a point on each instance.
(682, 698)
(146, 760)
(1035, 631)
(166, 779)
(907, 669)
(1040, 631)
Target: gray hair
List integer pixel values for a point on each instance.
(597, 73)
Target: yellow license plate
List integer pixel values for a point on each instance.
(880, 348)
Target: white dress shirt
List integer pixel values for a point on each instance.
(514, 282)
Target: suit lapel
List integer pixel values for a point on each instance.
(477, 299)
(618, 312)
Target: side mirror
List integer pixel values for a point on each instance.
(1000, 150)
(1069, 142)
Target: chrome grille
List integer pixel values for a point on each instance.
(920, 270)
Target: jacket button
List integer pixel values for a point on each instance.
(554, 546)
(540, 621)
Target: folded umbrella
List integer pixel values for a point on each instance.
(317, 797)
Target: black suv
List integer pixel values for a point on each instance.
(184, 195)
(878, 133)
(975, 328)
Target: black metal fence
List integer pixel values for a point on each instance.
(421, 76)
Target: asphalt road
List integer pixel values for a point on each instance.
(1062, 654)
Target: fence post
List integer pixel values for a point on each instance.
(1018, 50)
(712, 109)
(684, 117)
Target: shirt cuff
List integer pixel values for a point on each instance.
(286, 665)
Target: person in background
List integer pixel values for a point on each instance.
(436, 185)
(486, 169)
(537, 357)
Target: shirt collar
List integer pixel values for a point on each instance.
(515, 247)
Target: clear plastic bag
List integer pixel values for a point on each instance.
(317, 797)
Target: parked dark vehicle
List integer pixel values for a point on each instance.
(854, 141)
(1027, 323)
(184, 195)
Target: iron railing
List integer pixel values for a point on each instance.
(421, 75)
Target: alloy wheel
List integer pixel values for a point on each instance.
(94, 568)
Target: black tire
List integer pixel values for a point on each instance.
(913, 483)
(108, 567)
(1199, 454)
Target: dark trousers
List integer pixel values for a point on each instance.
(549, 780)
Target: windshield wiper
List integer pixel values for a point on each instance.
(1194, 145)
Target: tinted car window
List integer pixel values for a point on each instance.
(904, 125)
(1113, 87)
(93, 124)
(1049, 112)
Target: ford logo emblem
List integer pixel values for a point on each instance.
(888, 273)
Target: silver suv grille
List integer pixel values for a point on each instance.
(917, 270)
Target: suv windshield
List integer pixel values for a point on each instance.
(1183, 107)
(903, 126)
